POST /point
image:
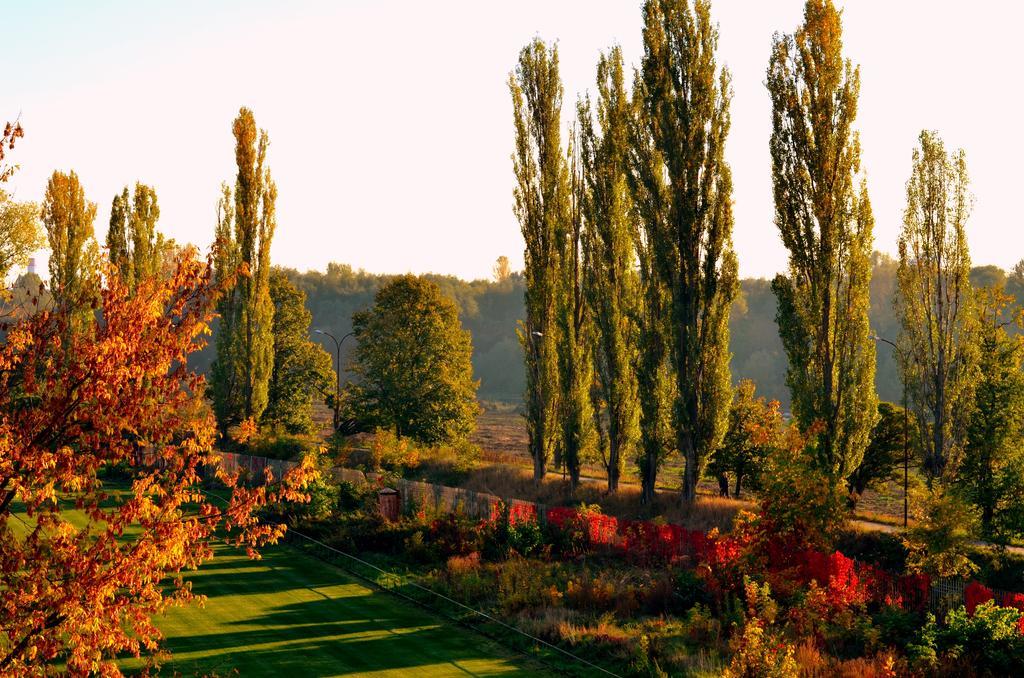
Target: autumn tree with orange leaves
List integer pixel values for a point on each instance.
(73, 404)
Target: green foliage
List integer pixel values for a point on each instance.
(991, 474)
(799, 499)
(934, 303)
(136, 248)
(20, 233)
(240, 376)
(302, 369)
(610, 277)
(682, 189)
(884, 453)
(939, 541)
(412, 364)
(542, 207)
(989, 641)
(826, 224)
(754, 424)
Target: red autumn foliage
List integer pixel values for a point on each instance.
(519, 512)
(75, 402)
(975, 594)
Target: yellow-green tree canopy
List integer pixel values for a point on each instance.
(245, 227)
(826, 224)
(542, 207)
(934, 302)
(20, 233)
(74, 256)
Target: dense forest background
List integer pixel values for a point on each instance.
(490, 310)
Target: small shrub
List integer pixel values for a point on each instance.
(524, 584)
(391, 452)
(512, 530)
(453, 535)
(760, 653)
(459, 566)
(688, 590)
(940, 543)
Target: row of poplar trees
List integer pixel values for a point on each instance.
(630, 269)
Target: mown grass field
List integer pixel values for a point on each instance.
(290, 614)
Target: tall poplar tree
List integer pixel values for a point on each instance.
(74, 258)
(610, 277)
(245, 227)
(135, 245)
(934, 301)
(991, 474)
(826, 224)
(682, 188)
(542, 207)
(575, 340)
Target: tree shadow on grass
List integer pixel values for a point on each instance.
(338, 635)
(344, 628)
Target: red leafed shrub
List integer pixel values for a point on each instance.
(560, 516)
(601, 529)
(837, 575)
(1014, 600)
(975, 594)
(519, 512)
(648, 542)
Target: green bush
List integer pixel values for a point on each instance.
(989, 640)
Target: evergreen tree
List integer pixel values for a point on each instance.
(412, 364)
(302, 369)
(826, 224)
(610, 276)
(991, 475)
(135, 246)
(74, 257)
(934, 302)
(682, 188)
(542, 207)
(575, 344)
(245, 226)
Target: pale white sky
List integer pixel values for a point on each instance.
(390, 122)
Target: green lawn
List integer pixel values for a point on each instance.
(291, 614)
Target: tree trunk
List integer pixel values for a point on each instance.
(539, 468)
(689, 493)
(723, 485)
(739, 482)
(649, 476)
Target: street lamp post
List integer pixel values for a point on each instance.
(906, 431)
(337, 388)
